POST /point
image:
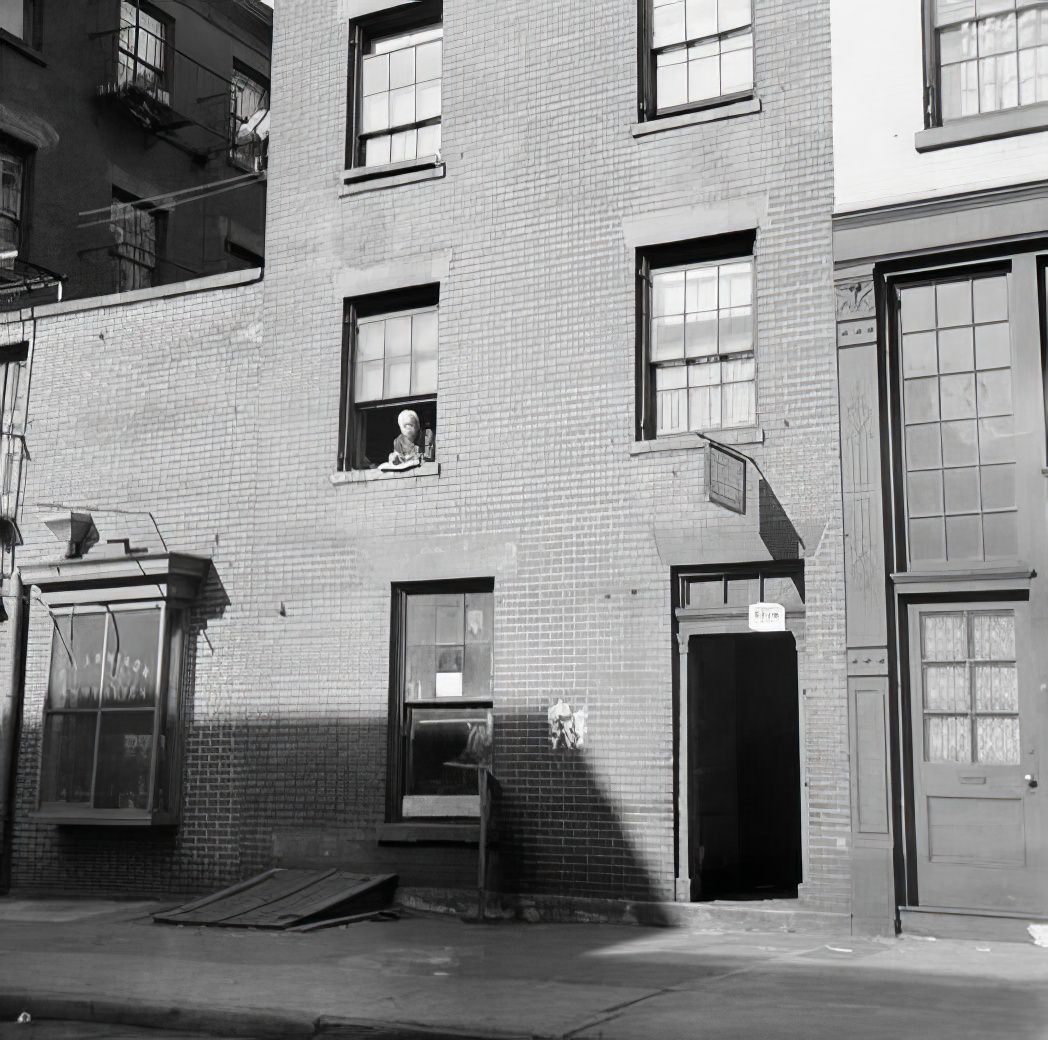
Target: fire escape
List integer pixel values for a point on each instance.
(177, 98)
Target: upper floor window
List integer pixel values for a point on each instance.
(248, 122)
(21, 18)
(396, 111)
(989, 55)
(696, 53)
(697, 360)
(138, 230)
(958, 423)
(12, 201)
(390, 372)
(144, 41)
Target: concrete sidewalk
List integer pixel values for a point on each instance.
(94, 961)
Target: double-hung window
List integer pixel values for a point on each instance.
(696, 359)
(138, 231)
(142, 57)
(12, 203)
(695, 53)
(21, 18)
(985, 56)
(440, 702)
(389, 366)
(396, 111)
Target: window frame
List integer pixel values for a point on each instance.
(692, 253)
(160, 230)
(402, 18)
(398, 728)
(258, 162)
(32, 26)
(352, 437)
(17, 150)
(164, 775)
(933, 110)
(165, 80)
(648, 107)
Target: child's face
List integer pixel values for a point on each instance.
(409, 428)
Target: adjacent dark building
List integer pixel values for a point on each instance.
(132, 143)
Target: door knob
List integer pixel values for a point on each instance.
(1031, 780)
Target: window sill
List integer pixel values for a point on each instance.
(67, 816)
(392, 175)
(361, 476)
(413, 833)
(689, 441)
(22, 47)
(988, 127)
(745, 107)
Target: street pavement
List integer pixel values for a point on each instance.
(108, 963)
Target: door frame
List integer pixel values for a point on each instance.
(713, 621)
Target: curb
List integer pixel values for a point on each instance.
(260, 1024)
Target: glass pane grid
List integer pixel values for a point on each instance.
(992, 56)
(958, 422)
(970, 693)
(395, 356)
(702, 347)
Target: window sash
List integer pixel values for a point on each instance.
(143, 45)
(422, 364)
(101, 710)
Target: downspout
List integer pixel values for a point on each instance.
(10, 720)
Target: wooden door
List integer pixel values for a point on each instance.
(978, 716)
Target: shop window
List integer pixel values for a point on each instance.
(395, 110)
(956, 406)
(111, 718)
(985, 56)
(22, 18)
(13, 168)
(389, 368)
(694, 53)
(138, 230)
(440, 704)
(696, 356)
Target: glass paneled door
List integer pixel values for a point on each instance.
(978, 719)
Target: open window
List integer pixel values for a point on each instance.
(111, 747)
(440, 698)
(395, 76)
(389, 367)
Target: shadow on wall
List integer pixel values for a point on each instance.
(271, 790)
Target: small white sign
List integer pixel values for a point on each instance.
(767, 617)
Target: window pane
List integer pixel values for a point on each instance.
(402, 146)
(125, 754)
(959, 444)
(947, 738)
(700, 335)
(927, 541)
(998, 82)
(992, 347)
(737, 68)
(956, 353)
(733, 14)
(998, 487)
(368, 381)
(701, 18)
(736, 330)
(702, 288)
(995, 392)
(443, 745)
(398, 336)
(996, 440)
(923, 450)
(402, 68)
(423, 375)
(997, 35)
(947, 11)
(704, 78)
(960, 90)
(376, 151)
(944, 637)
(946, 687)
(428, 140)
(997, 741)
(11, 15)
(370, 340)
(76, 661)
(919, 355)
(922, 400)
(962, 490)
(671, 75)
(953, 303)
(402, 106)
(668, 293)
(1001, 536)
(375, 74)
(131, 658)
(668, 22)
(667, 341)
(479, 617)
(964, 538)
(704, 407)
(427, 100)
(476, 673)
(918, 308)
(420, 668)
(996, 688)
(991, 299)
(375, 113)
(68, 757)
(449, 619)
(958, 396)
(924, 493)
(958, 43)
(428, 58)
(739, 405)
(397, 377)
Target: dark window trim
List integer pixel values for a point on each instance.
(739, 245)
(350, 425)
(28, 156)
(399, 593)
(403, 18)
(647, 90)
(32, 28)
(160, 217)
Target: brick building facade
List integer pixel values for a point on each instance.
(566, 236)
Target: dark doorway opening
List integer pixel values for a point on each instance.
(744, 746)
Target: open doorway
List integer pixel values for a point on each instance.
(744, 746)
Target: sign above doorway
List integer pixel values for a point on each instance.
(767, 617)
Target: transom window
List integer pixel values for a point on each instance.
(970, 687)
(12, 192)
(701, 347)
(400, 96)
(958, 420)
(992, 55)
(442, 710)
(702, 49)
